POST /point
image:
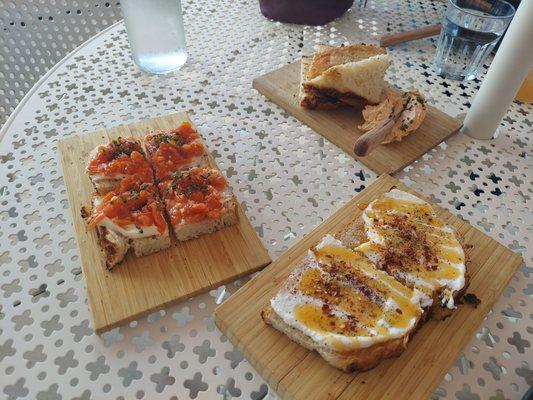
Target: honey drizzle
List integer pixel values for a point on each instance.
(361, 313)
(407, 227)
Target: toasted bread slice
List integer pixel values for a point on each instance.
(356, 360)
(174, 150)
(337, 303)
(186, 231)
(198, 201)
(324, 93)
(131, 217)
(402, 235)
(120, 158)
(364, 79)
(329, 56)
(314, 99)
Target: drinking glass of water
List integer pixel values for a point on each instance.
(470, 30)
(156, 34)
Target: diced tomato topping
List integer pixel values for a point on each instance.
(193, 149)
(194, 195)
(158, 218)
(175, 215)
(214, 214)
(124, 222)
(143, 219)
(197, 196)
(95, 220)
(135, 203)
(194, 218)
(108, 197)
(121, 157)
(218, 181)
(169, 151)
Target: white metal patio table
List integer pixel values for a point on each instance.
(288, 179)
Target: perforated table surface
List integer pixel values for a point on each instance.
(288, 179)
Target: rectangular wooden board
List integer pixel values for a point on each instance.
(142, 285)
(340, 125)
(297, 373)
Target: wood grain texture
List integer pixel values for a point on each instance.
(340, 125)
(142, 285)
(296, 373)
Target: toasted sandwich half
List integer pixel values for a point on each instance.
(338, 303)
(198, 201)
(130, 217)
(352, 75)
(403, 236)
(120, 158)
(176, 149)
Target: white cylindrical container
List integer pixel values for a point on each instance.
(504, 77)
(156, 34)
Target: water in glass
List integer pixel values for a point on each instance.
(468, 35)
(156, 34)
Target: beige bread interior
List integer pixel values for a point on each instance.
(113, 245)
(357, 360)
(187, 231)
(364, 78)
(329, 56)
(330, 93)
(151, 244)
(314, 99)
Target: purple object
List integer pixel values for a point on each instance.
(308, 12)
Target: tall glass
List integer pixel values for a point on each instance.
(470, 30)
(156, 34)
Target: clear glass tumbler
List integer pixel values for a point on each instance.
(156, 34)
(470, 30)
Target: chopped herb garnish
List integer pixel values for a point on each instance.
(195, 187)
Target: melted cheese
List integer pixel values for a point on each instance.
(399, 223)
(130, 231)
(341, 300)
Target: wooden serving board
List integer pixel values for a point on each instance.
(142, 285)
(297, 373)
(340, 125)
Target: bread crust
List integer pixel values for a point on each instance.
(349, 361)
(113, 246)
(189, 231)
(332, 56)
(322, 76)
